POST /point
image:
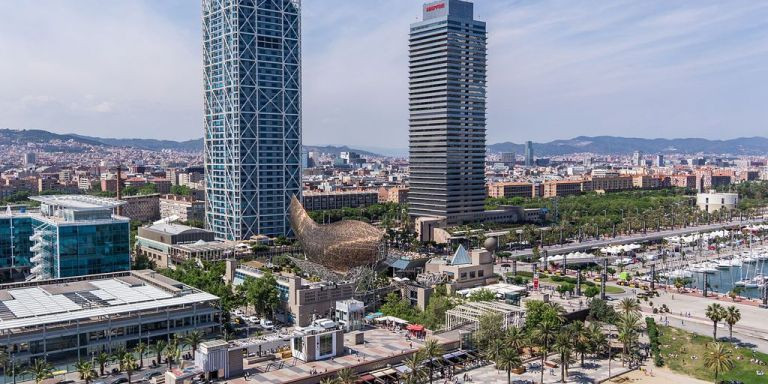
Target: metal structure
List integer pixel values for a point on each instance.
(252, 86)
(340, 246)
(471, 312)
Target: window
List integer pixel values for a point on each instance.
(480, 273)
(325, 346)
(472, 275)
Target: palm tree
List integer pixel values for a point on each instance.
(329, 380)
(346, 376)
(119, 356)
(628, 304)
(172, 352)
(582, 339)
(102, 359)
(718, 358)
(508, 359)
(129, 365)
(564, 346)
(140, 349)
(415, 364)
(715, 312)
(516, 337)
(193, 339)
(544, 334)
(732, 316)
(85, 369)
(629, 329)
(432, 349)
(40, 370)
(158, 348)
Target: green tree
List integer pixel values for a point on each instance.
(718, 358)
(564, 345)
(628, 326)
(129, 365)
(732, 316)
(628, 305)
(346, 376)
(432, 349)
(102, 359)
(40, 370)
(543, 335)
(415, 365)
(488, 327)
(591, 291)
(507, 360)
(158, 348)
(119, 356)
(140, 350)
(85, 369)
(482, 295)
(193, 340)
(716, 313)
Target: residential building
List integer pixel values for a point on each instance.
(143, 208)
(637, 159)
(252, 87)
(318, 201)
(465, 269)
(69, 319)
(565, 187)
(300, 300)
(510, 189)
(508, 159)
(610, 184)
(185, 208)
(397, 195)
(447, 53)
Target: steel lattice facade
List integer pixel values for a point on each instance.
(252, 61)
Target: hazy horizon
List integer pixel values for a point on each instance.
(556, 70)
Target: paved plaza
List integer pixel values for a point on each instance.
(592, 372)
(379, 343)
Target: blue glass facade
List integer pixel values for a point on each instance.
(70, 236)
(15, 232)
(252, 74)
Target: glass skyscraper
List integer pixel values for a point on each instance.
(70, 236)
(447, 112)
(252, 64)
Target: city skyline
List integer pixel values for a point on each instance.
(692, 66)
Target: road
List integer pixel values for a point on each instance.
(635, 238)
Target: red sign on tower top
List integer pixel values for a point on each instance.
(435, 7)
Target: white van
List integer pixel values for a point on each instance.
(267, 324)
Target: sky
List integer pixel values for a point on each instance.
(556, 69)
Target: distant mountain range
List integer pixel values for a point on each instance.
(605, 145)
(608, 145)
(11, 136)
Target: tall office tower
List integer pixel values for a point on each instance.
(447, 112)
(660, 160)
(529, 154)
(252, 64)
(637, 159)
(508, 158)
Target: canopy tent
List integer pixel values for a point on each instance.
(391, 319)
(415, 327)
(624, 276)
(619, 249)
(373, 315)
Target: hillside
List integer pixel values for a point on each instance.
(625, 145)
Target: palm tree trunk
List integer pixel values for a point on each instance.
(562, 368)
(730, 332)
(714, 331)
(582, 359)
(543, 356)
(509, 375)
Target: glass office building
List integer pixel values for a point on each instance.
(252, 80)
(447, 64)
(70, 236)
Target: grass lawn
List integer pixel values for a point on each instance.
(683, 345)
(608, 288)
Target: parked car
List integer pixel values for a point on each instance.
(150, 375)
(267, 324)
(121, 380)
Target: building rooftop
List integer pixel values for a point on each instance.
(172, 228)
(32, 304)
(78, 202)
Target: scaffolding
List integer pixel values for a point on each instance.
(471, 312)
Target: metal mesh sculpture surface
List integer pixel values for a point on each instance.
(339, 246)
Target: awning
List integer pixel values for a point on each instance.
(415, 327)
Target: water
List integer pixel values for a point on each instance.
(722, 281)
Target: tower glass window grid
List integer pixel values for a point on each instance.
(252, 60)
(447, 73)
